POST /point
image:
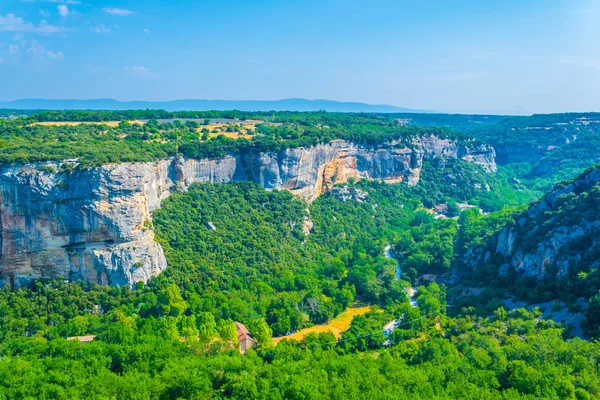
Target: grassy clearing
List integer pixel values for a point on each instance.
(221, 129)
(337, 326)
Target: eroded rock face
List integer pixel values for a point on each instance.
(95, 224)
(91, 224)
(308, 172)
(347, 193)
(549, 257)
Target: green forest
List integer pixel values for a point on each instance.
(23, 140)
(173, 337)
(239, 253)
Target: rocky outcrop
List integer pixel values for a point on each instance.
(553, 235)
(96, 224)
(346, 193)
(308, 172)
(519, 153)
(92, 224)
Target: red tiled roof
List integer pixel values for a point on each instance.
(242, 332)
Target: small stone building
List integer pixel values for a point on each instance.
(245, 340)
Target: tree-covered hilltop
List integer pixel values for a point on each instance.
(95, 142)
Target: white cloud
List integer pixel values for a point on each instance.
(52, 56)
(142, 72)
(100, 29)
(63, 10)
(146, 30)
(117, 11)
(17, 37)
(36, 49)
(41, 56)
(14, 54)
(45, 27)
(9, 54)
(44, 13)
(12, 23)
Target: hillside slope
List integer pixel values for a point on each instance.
(556, 237)
(548, 251)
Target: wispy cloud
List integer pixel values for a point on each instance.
(9, 53)
(41, 55)
(12, 23)
(142, 72)
(44, 13)
(71, 2)
(100, 29)
(117, 11)
(460, 76)
(63, 10)
(579, 61)
(146, 30)
(14, 54)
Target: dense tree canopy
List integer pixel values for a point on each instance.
(237, 252)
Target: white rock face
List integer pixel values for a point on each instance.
(85, 225)
(95, 224)
(548, 257)
(506, 242)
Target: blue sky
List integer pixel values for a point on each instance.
(456, 56)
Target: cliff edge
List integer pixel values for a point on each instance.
(96, 224)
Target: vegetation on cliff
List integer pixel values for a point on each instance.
(554, 243)
(238, 252)
(23, 140)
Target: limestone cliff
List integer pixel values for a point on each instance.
(95, 224)
(556, 234)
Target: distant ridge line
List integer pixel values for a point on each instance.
(293, 104)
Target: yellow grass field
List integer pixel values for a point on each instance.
(222, 128)
(337, 326)
(70, 123)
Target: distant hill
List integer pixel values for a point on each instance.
(204, 105)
